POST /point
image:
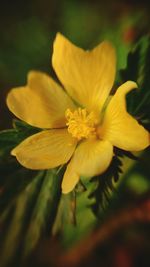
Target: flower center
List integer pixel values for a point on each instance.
(81, 124)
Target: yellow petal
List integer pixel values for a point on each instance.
(44, 150)
(119, 127)
(41, 103)
(70, 180)
(88, 76)
(91, 158)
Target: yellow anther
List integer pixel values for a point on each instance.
(81, 124)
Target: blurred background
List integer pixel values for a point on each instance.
(27, 31)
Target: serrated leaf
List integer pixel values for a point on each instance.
(106, 181)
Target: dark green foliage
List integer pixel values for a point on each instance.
(11, 138)
(32, 213)
(106, 183)
(138, 70)
(13, 177)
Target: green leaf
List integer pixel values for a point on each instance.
(15, 228)
(44, 211)
(29, 216)
(27, 129)
(138, 70)
(8, 140)
(66, 213)
(14, 178)
(105, 188)
(11, 138)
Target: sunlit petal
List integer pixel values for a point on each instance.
(41, 103)
(88, 76)
(47, 149)
(91, 158)
(119, 127)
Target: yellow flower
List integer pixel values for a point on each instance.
(82, 123)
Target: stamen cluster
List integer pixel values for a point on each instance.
(81, 124)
